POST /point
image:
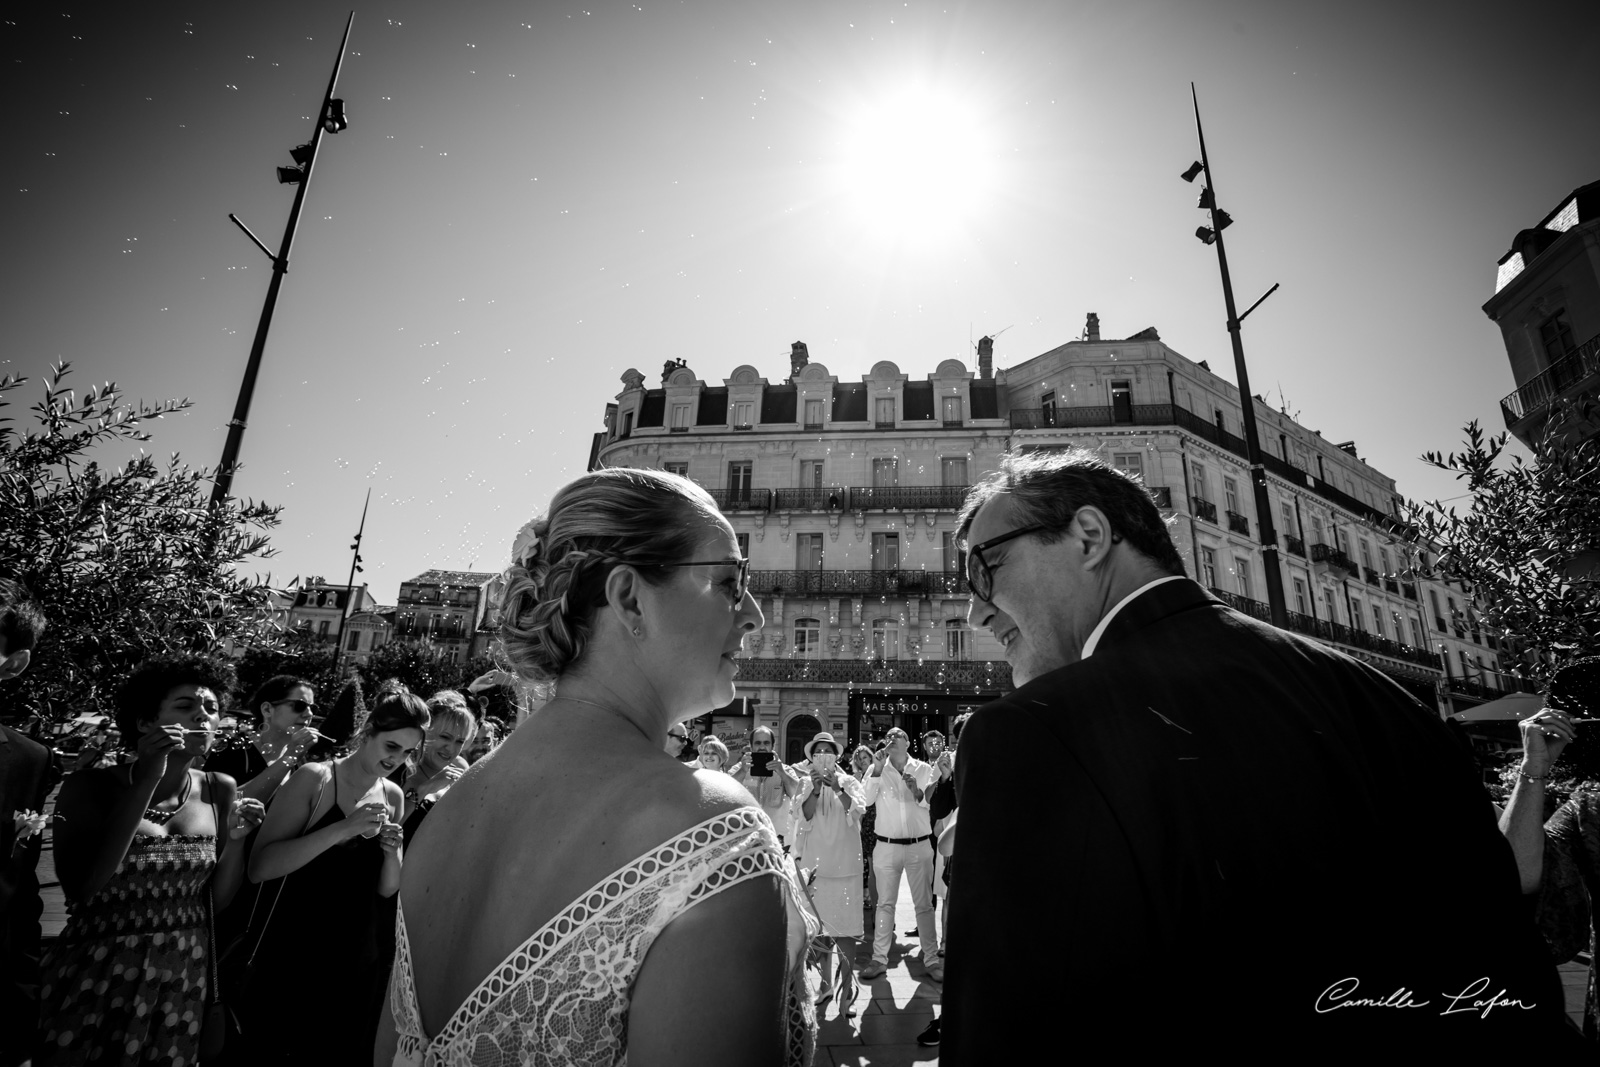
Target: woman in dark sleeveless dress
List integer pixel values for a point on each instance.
(329, 849)
(143, 850)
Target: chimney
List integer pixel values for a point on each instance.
(1092, 328)
(1348, 446)
(986, 357)
(670, 366)
(798, 358)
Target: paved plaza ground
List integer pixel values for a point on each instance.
(891, 1010)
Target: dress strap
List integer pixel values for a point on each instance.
(689, 849)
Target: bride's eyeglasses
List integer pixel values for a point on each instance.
(741, 584)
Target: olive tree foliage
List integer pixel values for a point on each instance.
(1527, 544)
(125, 561)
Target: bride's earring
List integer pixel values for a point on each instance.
(636, 631)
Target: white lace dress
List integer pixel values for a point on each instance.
(562, 996)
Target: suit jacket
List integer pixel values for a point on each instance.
(1201, 835)
(25, 781)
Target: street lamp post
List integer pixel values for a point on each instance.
(331, 119)
(349, 587)
(1220, 220)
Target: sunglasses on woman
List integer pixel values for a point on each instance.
(742, 584)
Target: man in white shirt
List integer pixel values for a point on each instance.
(899, 786)
(775, 794)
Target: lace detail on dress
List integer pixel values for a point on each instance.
(562, 996)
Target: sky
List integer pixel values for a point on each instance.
(532, 198)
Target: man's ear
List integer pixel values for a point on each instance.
(623, 589)
(1093, 537)
(15, 664)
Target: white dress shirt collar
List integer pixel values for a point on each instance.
(1100, 628)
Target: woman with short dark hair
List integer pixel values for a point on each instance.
(144, 851)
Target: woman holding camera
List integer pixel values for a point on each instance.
(144, 851)
(579, 896)
(332, 843)
(828, 843)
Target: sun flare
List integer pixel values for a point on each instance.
(916, 164)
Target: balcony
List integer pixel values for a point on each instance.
(1064, 417)
(1332, 558)
(1161, 495)
(1408, 590)
(858, 583)
(831, 498)
(1370, 575)
(1204, 509)
(990, 675)
(1295, 545)
(1332, 632)
(1533, 396)
(1238, 524)
(880, 424)
(899, 498)
(815, 426)
(742, 426)
(743, 499)
(953, 424)
(1391, 584)
(678, 429)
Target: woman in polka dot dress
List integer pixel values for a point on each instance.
(137, 849)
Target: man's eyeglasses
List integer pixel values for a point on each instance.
(300, 706)
(742, 586)
(677, 737)
(980, 572)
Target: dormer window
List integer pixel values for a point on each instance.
(743, 414)
(885, 411)
(680, 418)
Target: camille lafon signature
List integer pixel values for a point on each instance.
(1342, 994)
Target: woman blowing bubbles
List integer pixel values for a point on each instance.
(143, 849)
(575, 898)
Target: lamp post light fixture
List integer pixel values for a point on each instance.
(1212, 235)
(330, 119)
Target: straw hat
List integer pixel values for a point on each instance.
(824, 736)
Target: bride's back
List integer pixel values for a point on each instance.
(565, 802)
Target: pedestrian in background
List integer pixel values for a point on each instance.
(776, 791)
(897, 786)
(828, 850)
(860, 767)
(282, 709)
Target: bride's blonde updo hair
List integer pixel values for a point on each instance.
(557, 577)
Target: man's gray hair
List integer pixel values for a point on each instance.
(1048, 488)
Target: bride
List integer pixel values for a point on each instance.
(579, 893)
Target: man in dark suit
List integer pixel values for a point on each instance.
(25, 782)
(1188, 830)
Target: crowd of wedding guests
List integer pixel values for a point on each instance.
(1187, 777)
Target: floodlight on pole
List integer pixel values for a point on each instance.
(1212, 235)
(330, 118)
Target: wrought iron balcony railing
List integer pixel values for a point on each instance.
(857, 583)
(1204, 509)
(817, 498)
(1238, 523)
(1074, 416)
(1295, 545)
(978, 676)
(1534, 395)
(898, 497)
(743, 499)
(1331, 556)
(1333, 632)
(1370, 575)
(1161, 494)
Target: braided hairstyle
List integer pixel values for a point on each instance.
(608, 517)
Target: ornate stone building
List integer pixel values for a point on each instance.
(844, 497)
